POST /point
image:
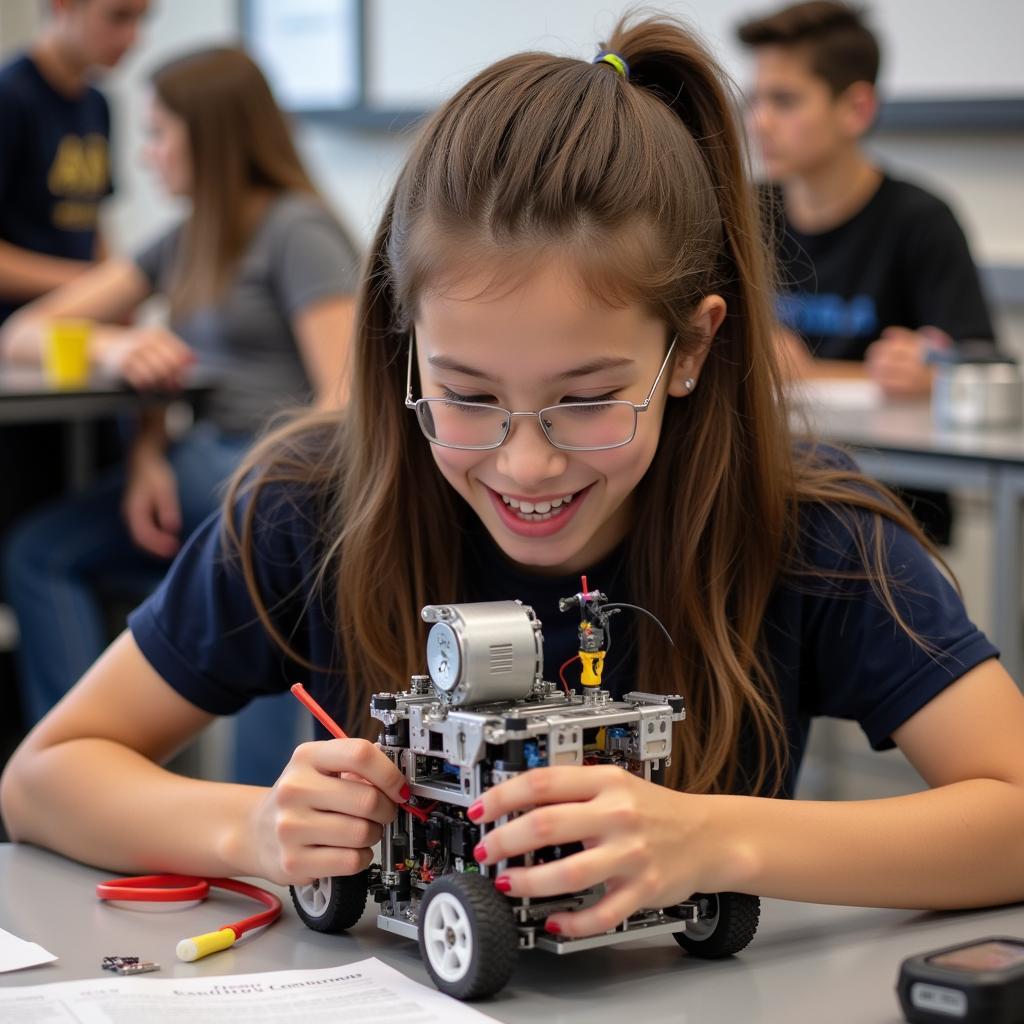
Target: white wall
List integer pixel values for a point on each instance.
(417, 56)
(420, 51)
(18, 19)
(980, 175)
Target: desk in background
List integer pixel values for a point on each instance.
(808, 963)
(26, 397)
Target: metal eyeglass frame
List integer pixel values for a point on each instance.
(414, 404)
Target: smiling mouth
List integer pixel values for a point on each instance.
(535, 512)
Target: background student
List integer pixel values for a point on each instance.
(873, 268)
(874, 271)
(54, 173)
(568, 240)
(55, 146)
(259, 278)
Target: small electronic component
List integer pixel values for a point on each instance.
(128, 965)
(111, 962)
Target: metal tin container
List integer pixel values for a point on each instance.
(975, 388)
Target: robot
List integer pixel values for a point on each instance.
(482, 715)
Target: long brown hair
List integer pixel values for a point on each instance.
(239, 143)
(644, 183)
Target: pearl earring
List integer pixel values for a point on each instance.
(689, 383)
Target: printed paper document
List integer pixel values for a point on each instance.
(367, 991)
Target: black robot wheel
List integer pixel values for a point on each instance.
(725, 924)
(332, 904)
(468, 937)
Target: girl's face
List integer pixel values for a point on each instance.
(549, 342)
(167, 149)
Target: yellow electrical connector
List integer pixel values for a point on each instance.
(593, 667)
(203, 945)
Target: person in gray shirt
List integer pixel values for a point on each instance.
(259, 279)
(296, 257)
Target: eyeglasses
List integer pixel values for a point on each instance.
(571, 426)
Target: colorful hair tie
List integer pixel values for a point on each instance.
(616, 61)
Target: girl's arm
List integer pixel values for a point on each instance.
(106, 293)
(324, 332)
(799, 364)
(145, 357)
(87, 783)
(959, 844)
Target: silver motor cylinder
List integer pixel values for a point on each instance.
(482, 653)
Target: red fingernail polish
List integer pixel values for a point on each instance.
(552, 926)
(405, 792)
(503, 883)
(476, 811)
(480, 852)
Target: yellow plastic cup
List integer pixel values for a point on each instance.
(66, 356)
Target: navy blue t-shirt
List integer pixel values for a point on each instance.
(834, 648)
(54, 165)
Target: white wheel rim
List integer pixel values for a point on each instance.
(704, 927)
(314, 897)
(448, 937)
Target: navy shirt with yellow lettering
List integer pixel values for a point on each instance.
(54, 165)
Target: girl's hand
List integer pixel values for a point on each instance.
(325, 813)
(650, 846)
(146, 357)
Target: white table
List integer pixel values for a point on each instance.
(807, 963)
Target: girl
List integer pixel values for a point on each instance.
(259, 279)
(577, 239)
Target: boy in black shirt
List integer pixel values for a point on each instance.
(874, 271)
(55, 146)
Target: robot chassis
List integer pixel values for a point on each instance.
(485, 714)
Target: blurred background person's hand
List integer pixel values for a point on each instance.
(146, 357)
(151, 508)
(898, 361)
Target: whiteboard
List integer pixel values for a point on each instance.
(418, 53)
(309, 49)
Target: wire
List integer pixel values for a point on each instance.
(650, 615)
(561, 674)
(174, 888)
